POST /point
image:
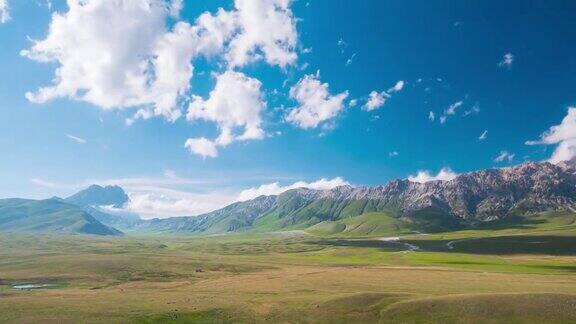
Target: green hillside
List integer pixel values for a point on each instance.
(293, 211)
(381, 224)
(371, 224)
(52, 215)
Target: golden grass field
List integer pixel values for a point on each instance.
(284, 278)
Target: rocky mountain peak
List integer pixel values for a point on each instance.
(96, 195)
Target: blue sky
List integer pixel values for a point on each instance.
(507, 69)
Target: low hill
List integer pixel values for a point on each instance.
(49, 216)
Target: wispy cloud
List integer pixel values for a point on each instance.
(378, 99)
(507, 61)
(472, 111)
(450, 111)
(52, 185)
(504, 156)
(350, 60)
(4, 11)
(453, 109)
(342, 45)
(76, 139)
(483, 136)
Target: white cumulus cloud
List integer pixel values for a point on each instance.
(265, 28)
(119, 54)
(316, 104)
(202, 146)
(423, 176)
(276, 189)
(235, 105)
(564, 135)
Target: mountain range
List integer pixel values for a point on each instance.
(470, 200)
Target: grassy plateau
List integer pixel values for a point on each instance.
(353, 271)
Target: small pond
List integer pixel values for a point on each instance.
(31, 286)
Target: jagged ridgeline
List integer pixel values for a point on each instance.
(468, 201)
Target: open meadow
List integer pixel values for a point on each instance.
(509, 275)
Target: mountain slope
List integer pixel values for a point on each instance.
(49, 216)
(235, 217)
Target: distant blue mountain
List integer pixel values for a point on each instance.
(77, 214)
(96, 195)
(49, 216)
(93, 198)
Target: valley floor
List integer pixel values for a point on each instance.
(481, 277)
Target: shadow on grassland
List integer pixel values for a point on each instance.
(391, 246)
(504, 245)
